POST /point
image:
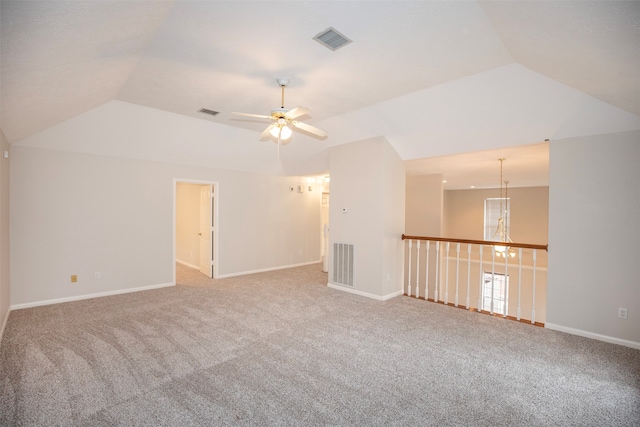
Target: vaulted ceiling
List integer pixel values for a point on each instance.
(436, 78)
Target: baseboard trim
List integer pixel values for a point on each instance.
(4, 324)
(89, 296)
(188, 264)
(592, 335)
(365, 294)
(264, 270)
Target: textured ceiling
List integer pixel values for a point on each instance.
(61, 58)
(434, 77)
(591, 46)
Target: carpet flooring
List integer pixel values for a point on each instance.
(281, 348)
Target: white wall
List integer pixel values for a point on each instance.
(368, 179)
(483, 111)
(464, 213)
(424, 205)
(4, 234)
(393, 206)
(594, 237)
(77, 213)
(132, 131)
(188, 224)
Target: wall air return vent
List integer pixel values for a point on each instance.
(331, 39)
(206, 111)
(342, 271)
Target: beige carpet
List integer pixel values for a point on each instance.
(280, 348)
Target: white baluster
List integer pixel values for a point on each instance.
(519, 279)
(533, 299)
(409, 281)
(480, 281)
(426, 281)
(418, 269)
(493, 269)
(446, 276)
(435, 292)
(457, 270)
(506, 282)
(468, 274)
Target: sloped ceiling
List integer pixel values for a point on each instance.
(435, 78)
(62, 58)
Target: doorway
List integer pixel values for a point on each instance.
(195, 226)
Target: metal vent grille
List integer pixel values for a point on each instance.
(331, 39)
(206, 111)
(342, 271)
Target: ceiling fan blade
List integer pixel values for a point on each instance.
(311, 129)
(297, 112)
(265, 133)
(260, 116)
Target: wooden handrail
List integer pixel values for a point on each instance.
(478, 242)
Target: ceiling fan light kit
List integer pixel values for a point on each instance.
(280, 130)
(283, 120)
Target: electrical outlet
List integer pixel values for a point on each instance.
(74, 278)
(97, 275)
(622, 313)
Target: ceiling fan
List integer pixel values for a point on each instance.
(283, 120)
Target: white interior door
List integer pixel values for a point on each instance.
(206, 230)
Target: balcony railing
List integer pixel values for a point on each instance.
(470, 274)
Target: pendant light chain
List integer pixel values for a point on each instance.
(501, 199)
(506, 216)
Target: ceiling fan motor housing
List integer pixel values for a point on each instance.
(279, 112)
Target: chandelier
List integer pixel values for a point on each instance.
(502, 230)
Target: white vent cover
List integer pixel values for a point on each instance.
(342, 271)
(331, 39)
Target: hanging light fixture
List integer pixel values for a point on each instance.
(502, 230)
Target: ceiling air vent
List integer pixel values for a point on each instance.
(331, 39)
(206, 111)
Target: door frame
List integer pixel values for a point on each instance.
(324, 234)
(215, 217)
